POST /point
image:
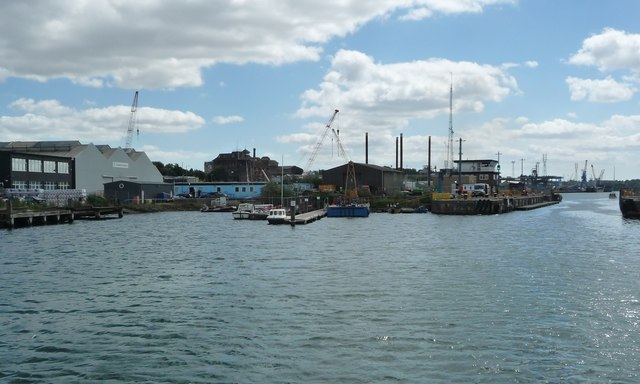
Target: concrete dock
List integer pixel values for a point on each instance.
(306, 218)
(492, 205)
(19, 217)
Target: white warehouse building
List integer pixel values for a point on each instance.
(93, 165)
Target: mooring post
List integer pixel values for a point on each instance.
(9, 213)
(293, 212)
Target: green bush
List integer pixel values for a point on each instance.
(97, 201)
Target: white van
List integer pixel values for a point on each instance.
(477, 189)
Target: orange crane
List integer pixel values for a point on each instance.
(132, 122)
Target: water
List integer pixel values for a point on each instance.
(550, 295)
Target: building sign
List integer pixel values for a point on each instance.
(120, 165)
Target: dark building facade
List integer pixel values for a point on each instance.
(24, 170)
(380, 180)
(242, 166)
(131, 191)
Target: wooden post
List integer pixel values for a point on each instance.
(10, 213)
(293, 212)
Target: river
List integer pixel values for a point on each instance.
(549, 295)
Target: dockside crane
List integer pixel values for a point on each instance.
(596, 180)
(328, 128)
(132, 122)
(583, 181)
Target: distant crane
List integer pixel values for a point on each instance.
(596, 180)
(449, 162)
(132, 122)
(583, 181)
(314, 154)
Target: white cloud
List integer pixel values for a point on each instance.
(417, 14)
(163, 44)
(428, 8)
(383, 99)
(600, 91)
(610, 50)
(185, 158)
(222, 120)
(50, 120)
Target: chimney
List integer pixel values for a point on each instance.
(396, 152)
(366, 147)
(254, 153)
(401, 152)
(429, 163)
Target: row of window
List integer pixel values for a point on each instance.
(39, 185)
(244, 189)
(46, 166)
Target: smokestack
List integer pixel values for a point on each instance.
(254, 153)
(401, 152)
(396, 152)
(429, 163)
(366, 147)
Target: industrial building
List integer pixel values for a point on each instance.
(379, 180)
(134, 192)
(468, 172)
(72, 165)
(242, 166)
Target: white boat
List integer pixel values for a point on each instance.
(277, 216)
(243, 212)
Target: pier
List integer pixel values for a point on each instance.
(492, 205)
(21, 217)
(309, 217)
(305, 218)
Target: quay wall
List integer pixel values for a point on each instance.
(490, 205)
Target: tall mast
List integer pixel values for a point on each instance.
(449, 163)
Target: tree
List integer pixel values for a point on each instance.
(274, 190)
(313, 178)
(176, 170)
(218, 174)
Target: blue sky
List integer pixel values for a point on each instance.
(532, 79)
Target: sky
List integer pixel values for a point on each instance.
(535, 84)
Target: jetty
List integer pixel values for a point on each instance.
(26, 217)
(493, 205)
(305, 218)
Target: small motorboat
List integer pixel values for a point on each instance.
(277, 216)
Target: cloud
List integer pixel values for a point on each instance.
(222, 120)
(185, 158)
(610, 50)
(158, 44)
(51, 120)
(600, 91)
(417, 14)
(383, 99)
(428, 8)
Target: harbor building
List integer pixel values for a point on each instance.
(233, 190)
(135, 192)
(379, 180)
(22, 170)
(72, 165)
(469, 172)
(242, 166)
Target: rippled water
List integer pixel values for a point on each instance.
(550, 295)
